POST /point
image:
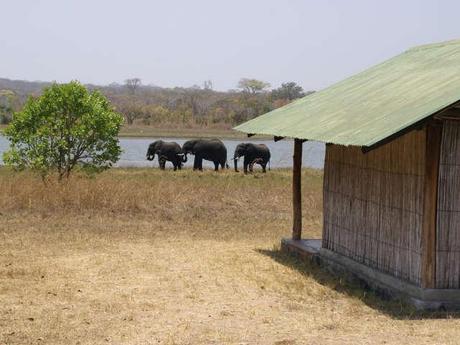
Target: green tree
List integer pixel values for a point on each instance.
(288, 91)
(8, 103)
(252, 86)
(65, 127)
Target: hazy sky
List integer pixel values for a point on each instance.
(181, 43)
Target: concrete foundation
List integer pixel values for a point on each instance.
(382, 283)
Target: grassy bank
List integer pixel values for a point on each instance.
(138, 256)
(148, 131)
(136, 131)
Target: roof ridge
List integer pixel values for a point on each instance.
(434, 45)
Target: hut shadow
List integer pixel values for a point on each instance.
(396, 309)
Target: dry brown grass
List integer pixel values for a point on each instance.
(147, 257)
(181, 198)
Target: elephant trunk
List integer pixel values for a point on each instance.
(235, 163)
(182, 157)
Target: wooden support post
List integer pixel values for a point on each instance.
(430, 191)
(297, 190)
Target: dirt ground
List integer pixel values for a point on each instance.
(149, 257)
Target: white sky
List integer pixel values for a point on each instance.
(181, 43)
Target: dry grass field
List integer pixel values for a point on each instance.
(142, 256)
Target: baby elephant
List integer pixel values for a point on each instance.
(253, 154)
(166, 151)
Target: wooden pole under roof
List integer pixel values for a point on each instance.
(297, 190)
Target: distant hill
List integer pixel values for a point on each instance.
(22, 87)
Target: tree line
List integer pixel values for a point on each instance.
(196, 106)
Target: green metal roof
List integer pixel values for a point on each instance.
(372, 105)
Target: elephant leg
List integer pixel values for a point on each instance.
(161, 162)
(251, 166)
(264, 166)
(245, 164)
(200, 164)
(176, 163)
(195, 163)
(216, 166)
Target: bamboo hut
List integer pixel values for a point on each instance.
(391, 174)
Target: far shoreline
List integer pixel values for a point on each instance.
(135, 131)
(152, 132)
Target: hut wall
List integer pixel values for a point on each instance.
(373, 204)
(448, 209)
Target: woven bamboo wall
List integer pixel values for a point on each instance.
(373, 204)
(448, 215)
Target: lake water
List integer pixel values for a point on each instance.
(134, 150)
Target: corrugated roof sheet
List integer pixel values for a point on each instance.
(372, 105)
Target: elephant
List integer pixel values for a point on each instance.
(166, 151)
(209, 149)
(253, 154)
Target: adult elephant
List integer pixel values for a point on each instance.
(166, 151)
(212, 150)
(252, 153)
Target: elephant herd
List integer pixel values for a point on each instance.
(212, 150)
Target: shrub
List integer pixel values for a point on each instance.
(65, 127)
